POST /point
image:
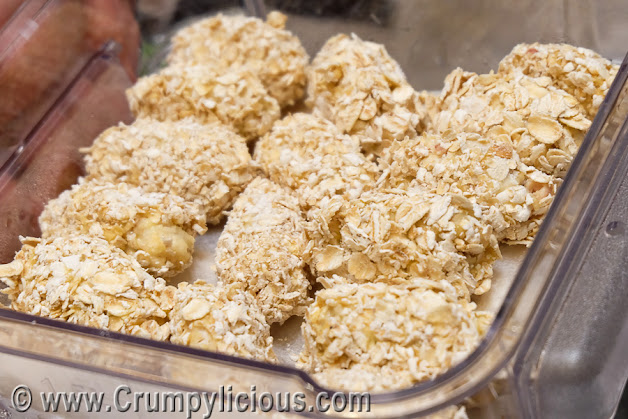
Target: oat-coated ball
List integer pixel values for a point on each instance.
(266, 49)
(236, 98)
(206, 164)
(85, 280)
(157, 229)
(221, 319)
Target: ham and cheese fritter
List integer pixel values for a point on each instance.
(378, 337)
(262, 250)
(207, 164)
(362, 89)
(157, 229)
(221, 319)
(582, 73)
(235, 98)
(87, 281)
(310, 155)
(266, 49)
(514, 197)
(394, 235)
(546, 125)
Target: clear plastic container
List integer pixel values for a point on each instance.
(30, 83)
(557, 347)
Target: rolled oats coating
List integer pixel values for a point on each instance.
(207, 164)
(311, 156)
(514, 197)
(155, 228)
(85, 280)
(450, 412)
(262, 248)
(395, 235)
(360, 88)
(394, 200)
(377, 337)
(545, 124)
(221, 319)
(582, 73)
(235, 98)
(265, 49)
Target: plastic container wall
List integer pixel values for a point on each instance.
(71, 357)
(429, 38)
(31, 82)
(84, 351)
(43, 46)
(48, 161)
(573, 361)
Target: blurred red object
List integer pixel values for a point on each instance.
(44, 45)
(48, 161)
(115, 20)
(7, 8)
